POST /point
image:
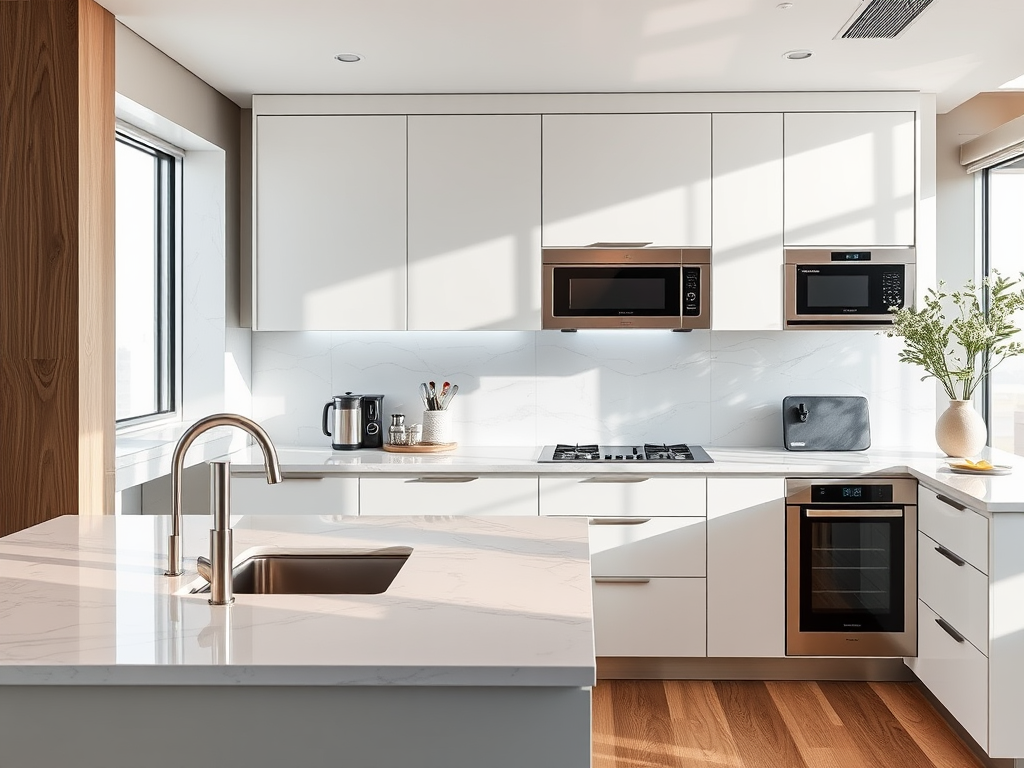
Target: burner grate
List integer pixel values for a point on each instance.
(675, 452)
(577, 452)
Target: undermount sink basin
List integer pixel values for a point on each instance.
(335, 573)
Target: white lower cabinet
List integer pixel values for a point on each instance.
(648, 544)
(954, 671)
(649, 617)
(448, 495)
(296, 495)
(746, 567)
(954, 589)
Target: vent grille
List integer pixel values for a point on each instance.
(883, 19)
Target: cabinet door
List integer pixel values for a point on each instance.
(746, 567)
(330, 223)
(642, 546)
(956, 527)
(448, 495)
(649, 617)
(627, 178)
(850, 178)
(252, 495)
(474, 222)
(747, 257)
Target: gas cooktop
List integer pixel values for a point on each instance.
(649, 452)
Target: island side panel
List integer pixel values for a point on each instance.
(268, 727)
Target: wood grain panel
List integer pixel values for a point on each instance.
(96, 334)
(699, 724)
(52, 62)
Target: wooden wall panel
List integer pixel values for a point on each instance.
(96, 259)
(56, 203)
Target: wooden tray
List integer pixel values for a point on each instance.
(421, 448)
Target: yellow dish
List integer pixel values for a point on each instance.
(977, 466)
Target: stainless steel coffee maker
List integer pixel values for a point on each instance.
(346, 428)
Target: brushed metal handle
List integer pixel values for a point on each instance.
(854, 513)
(950, 555)
(619, 520)
(617, 479)
(444, 479)
(622, 581)
(954, 504)
(949, 630)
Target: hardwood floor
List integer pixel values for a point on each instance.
(740, 724)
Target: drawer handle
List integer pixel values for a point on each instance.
(617, 479)
(298, 476)
(949, 630)
(622, 581)
(619, 520)
(954, 504)
(444, 479)
(950, 556)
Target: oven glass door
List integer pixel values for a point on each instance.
(585, 291)
(849, 289)
(852, 569)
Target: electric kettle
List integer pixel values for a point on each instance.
(347, 424)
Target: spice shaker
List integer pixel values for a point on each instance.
(396, 432)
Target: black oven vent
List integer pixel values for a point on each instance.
(883, 19)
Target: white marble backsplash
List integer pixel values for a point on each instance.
(534, 388)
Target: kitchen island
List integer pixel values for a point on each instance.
(481, 651)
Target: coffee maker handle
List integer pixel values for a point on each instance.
(327, 407)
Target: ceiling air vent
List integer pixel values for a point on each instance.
(882, 19)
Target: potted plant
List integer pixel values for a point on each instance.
(960, 352)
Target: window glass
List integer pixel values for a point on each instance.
(145, 313)
(1005, 250)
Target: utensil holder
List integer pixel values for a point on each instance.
(437, 427)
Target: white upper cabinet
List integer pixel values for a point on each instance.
(627, 178)
(474, 222)
(747, 255)
(330, 223)
(849, 178)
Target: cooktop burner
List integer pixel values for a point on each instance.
(616, 453)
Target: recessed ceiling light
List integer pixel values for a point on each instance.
(797, 55)
(348, 57)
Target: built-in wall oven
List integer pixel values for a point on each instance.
(832, 288)
(851, 568)
(626, 287)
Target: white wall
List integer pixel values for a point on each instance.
(534, 388)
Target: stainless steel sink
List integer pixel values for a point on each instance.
(305, 573)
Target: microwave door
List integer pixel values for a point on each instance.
(616, 296)
(854, 293)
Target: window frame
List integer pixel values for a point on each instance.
(169, 233)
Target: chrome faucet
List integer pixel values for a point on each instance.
(221, 592)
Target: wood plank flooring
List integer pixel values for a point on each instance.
(741, 724)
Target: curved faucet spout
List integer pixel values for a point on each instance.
(270, 463)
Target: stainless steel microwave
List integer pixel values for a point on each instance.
(849, 288)
(605, 287)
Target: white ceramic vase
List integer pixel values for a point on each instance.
(960, 430)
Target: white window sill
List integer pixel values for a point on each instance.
(145, 454)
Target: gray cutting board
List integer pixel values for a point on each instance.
(833, 423)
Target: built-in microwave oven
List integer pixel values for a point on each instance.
(606, 287)
(851, 288)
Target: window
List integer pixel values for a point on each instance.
(147, 288)
(1004, 251)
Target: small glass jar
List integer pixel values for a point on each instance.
(396, 432)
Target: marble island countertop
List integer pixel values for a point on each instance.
(983, 493)
(480, 602)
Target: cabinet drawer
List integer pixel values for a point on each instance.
(448, 495)
(655, 617)
(623, 496)
(956, 672)
(954, 526)
(958, 593)
(657, 546)
(253, 495)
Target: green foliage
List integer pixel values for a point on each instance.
(949, 350)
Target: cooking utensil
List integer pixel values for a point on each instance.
(425, 396)
(432, 396)
(447, 397)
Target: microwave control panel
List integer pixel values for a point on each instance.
(892, 288)
(691, 291)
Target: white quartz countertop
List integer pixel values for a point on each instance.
(495, 601)
(983, 493)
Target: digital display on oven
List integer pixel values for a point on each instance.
(851, 493)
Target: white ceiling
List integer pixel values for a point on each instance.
(956, 48)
